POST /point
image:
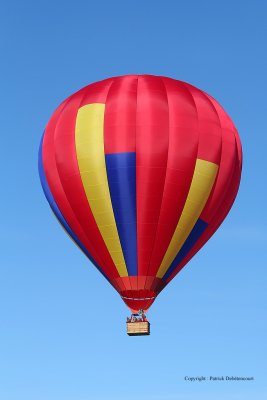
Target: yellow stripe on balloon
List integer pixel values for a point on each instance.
(89, 140)
(202, 182)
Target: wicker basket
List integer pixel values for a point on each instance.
(138, 328)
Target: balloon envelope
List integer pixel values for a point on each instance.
(140, 171)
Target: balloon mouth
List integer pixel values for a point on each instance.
(138, 299)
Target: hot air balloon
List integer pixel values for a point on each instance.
(140, 171)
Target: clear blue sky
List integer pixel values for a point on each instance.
(62, 328)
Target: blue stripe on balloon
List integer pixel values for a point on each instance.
(193, 237)
(56, 210)
(121, 172)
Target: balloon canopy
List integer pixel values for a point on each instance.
(140, 171)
